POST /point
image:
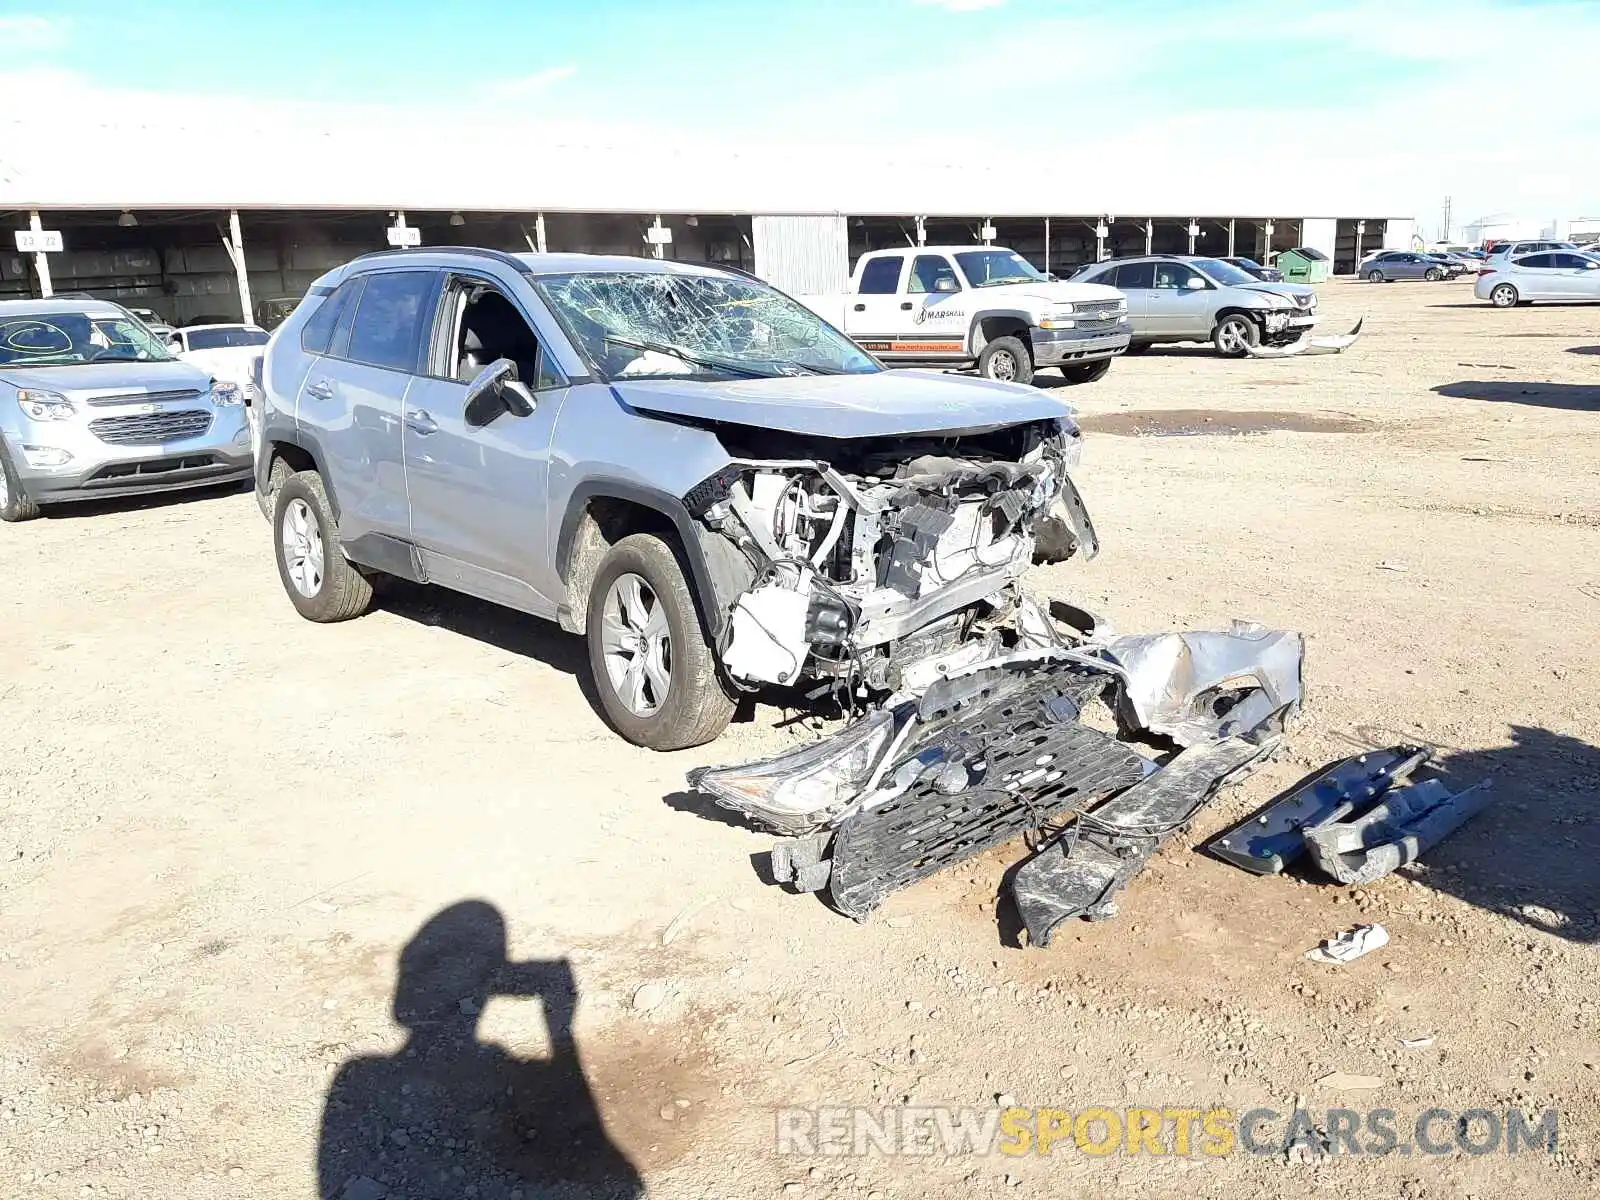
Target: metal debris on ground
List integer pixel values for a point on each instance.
(1350, 945)
(1405, 823)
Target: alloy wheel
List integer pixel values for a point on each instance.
(303, 554)
(637, 643)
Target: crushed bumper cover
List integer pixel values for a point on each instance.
(1307, 344)
(985, 754)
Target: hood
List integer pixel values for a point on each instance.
(1062, 291)
(110, 377)
(884, 404)
(1288, 291)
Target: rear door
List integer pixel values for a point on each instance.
(352, 397)
(1135, 281)
(1536, 277)
(873, 314)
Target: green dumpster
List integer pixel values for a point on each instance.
(1304, 264)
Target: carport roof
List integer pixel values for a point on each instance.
(90, 153)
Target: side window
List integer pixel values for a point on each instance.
(932, 273)
(1136, 275)
(1173, 276)
(1537, 262)
(1109, 278)
(389, 319)
(1572, 262)
(488, 327)
(339, 344)
(318, 331)
(881, 276)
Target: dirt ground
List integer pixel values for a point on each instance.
(392, 889)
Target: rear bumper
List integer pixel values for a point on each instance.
(1052, 347)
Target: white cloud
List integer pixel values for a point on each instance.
(528, 85)
(960, 5)
(23, 32)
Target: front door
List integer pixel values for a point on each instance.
(479, 492)
(1180, 303)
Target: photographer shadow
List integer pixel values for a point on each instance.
(449, 1115)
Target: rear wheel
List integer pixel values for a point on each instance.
(1504, 295)
(15, 504)
(1006, 360)
(1234, 335)
(654, 669)
(1374, 276)
(1086, 372)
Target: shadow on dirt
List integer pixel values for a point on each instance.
(114, 505)
(1571, 397)
(449, 1115)
(1583, 350)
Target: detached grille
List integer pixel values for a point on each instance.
(108, 401)
(149, 429)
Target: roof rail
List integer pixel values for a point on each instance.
(499, 256)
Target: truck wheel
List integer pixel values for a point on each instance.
(1374, 276)
(1086, 372)
(1234, 334)
(1007, 360)
(323, 585)
(653, 668)
(15, 504)
(1504, 296)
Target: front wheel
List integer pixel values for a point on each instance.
(1432, 275)
(654, 669)
(1503, 296)
(1374, 276)
(1085, 372)
(1006, 360)
(1234, 336)
(15, 504)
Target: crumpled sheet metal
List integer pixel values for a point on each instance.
(1205, 686)
(1404, 824)
(1326, 344)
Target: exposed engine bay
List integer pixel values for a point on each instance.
(871, 563)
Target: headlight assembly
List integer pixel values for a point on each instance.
(44, 406)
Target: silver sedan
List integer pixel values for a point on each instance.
(1561, 275)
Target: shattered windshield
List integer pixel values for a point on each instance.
(650, 323)
(59, 339)
(990, 268)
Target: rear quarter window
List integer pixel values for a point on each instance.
(317, 334)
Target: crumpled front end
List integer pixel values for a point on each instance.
(1104, 746)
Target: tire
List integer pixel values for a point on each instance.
(1006, 360)
(1233, 333)
(1432, 275)
(1086, 372)
(694, 706)
(15, 504)
(268, 501)
(1504, 295)
(339, 591)
(1374, 276)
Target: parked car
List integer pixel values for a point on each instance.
(1454, 267)
(717, 488)
(230, 352)
(1513, 249)
(1182, 299)
(1251, 267)
(977, 306)
(272, 313)
(1386, 266)
(93, 404)
(1550, 275)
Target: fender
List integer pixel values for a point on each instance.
(975, 334)
(669, 506)
(281, 430)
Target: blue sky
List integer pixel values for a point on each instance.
(1356, 73)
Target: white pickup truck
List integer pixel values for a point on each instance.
(982, 306)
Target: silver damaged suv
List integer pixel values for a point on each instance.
(715, 487)
(93, 404)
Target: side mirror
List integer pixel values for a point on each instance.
(495, 390)
(946, 283)
(1195, 283)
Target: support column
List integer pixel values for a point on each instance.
(922, 231)
(233, 243)
(1100, 232)
(1149, 236)
(41, 262)
(1361, 229)
(1194, 232)
(1266, 253)
(1047, 245)
(1230, 236)
(538, 233)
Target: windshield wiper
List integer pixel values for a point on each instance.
(689, 356)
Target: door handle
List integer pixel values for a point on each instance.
(860, 308)
(906, 307)
(321, 389)
(420, 422)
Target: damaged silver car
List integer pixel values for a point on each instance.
(715, 486)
